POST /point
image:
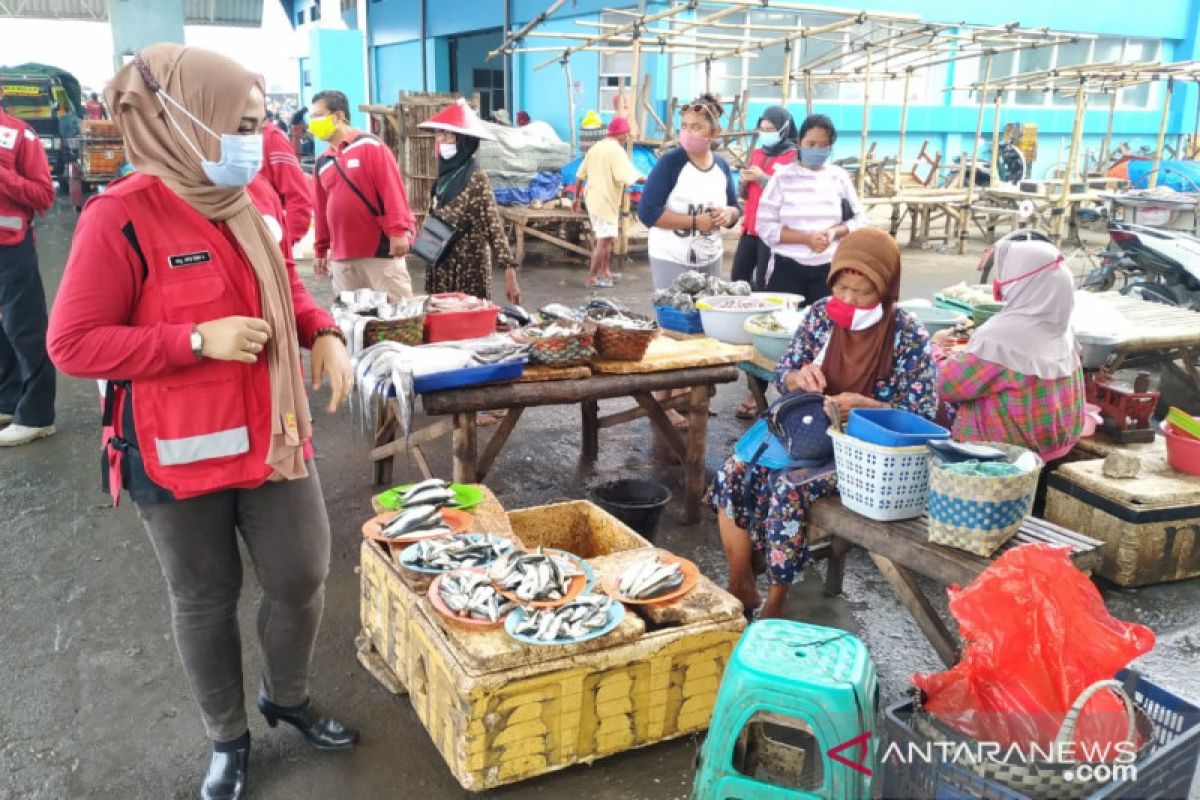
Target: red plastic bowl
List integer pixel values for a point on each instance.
(446, 326)
(1183, 452)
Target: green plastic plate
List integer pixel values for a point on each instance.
(465, 496)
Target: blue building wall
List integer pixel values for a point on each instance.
(947, 121)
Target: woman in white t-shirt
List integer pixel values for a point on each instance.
(689, 197)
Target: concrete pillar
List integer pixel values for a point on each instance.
(337, 63)
(139, 23)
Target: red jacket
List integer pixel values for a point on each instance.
(144, 268)
(346, 228)
(754, 191)
(282, 170)
(25, 185)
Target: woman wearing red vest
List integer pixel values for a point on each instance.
(177, 294)
(777, 145)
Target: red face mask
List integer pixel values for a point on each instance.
(853, 318)
(998, 295)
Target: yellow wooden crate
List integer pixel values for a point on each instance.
(576, 526)
(503, 726)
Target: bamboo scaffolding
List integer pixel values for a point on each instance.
(1162, 132)
(903, 130)
(1112, 113)
(995, 165)
(1064, 197)
(866, 125)
(506, 46)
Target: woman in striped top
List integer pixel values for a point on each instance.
(807, 208)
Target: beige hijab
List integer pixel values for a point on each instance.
(214, 89)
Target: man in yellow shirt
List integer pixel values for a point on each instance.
(608, 171)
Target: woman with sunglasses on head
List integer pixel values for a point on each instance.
(1019, 380)
(689, 197)
(806, 209)
(178, 295)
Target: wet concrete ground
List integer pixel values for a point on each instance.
(95, 703)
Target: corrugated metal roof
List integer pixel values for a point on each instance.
(240, 13)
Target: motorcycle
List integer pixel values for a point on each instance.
(1160, 266)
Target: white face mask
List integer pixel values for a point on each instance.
(447, 150)
(241, 153)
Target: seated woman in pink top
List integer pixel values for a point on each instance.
(1019, 380)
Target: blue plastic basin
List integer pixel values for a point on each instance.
(891, 427)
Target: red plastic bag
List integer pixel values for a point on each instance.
(1037, 634)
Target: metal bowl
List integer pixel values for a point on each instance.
(1095, 349)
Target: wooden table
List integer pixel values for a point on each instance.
(925, 208)
(693, 364)
(524, 220)
(901, 550)
(1007, 199)
(1154, 334)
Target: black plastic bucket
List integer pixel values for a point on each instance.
(638, 502)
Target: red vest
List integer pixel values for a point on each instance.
(206, 427)
(758, 158)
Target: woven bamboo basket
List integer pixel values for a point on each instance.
(409, 331)
(560, 351)
(622, 344)
(978, 514)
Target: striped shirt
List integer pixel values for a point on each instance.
(806, 200)
(995, 404)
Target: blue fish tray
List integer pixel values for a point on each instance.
(468, 376)
(676, 320)
(893, 427)
(616, 613)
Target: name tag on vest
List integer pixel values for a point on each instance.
(189, 259)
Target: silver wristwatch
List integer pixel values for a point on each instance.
(197, 342)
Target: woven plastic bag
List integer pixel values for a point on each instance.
(1037, 634)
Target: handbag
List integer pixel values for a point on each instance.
(847, 209)
(384, 248)
(435, 236)
(796, 429)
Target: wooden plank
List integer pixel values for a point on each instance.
(540, 372)
(912, 598)
(554, 240)
(637, 412)
(464, 447)
(661, 423)
(666, 353)
(597, 387)
(416, 439)
(422, 462)
(693, 462)
(496, 443)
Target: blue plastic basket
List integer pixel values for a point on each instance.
(676, 320)
(468, 376)
(892, 427)
(1165, 771)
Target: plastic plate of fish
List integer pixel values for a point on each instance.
(653, 579)
(544, 578)
(464, 495)
(467, 597)
(416, 523)
(588, 616)
(433, 556)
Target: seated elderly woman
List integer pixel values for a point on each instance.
(1019, 380)
(860, 350)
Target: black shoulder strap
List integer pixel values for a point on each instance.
(370, 206)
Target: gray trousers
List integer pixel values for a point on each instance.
(286, 530)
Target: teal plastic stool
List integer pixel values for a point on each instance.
(791, 694)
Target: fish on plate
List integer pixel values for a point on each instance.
(536, 577)
(472, 595)
(454, 552)
(648, 578)
(583, 615)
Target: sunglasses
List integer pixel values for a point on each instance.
(700, 108)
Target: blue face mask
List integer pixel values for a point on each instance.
(241, 153)
(768, 138)
(814, 157)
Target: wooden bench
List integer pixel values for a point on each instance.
(901, 551)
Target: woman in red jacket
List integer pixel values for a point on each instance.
(178, 296)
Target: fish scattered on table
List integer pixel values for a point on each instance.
(536, 577)
(457, 551)
(472, 595)
(649, 578)
(583, 615)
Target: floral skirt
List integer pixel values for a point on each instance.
(773, 508)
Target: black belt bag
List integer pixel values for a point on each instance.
(435, 237)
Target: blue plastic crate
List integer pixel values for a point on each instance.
(892, 427)
(468, 376)
(1165, 772)
(676, 320)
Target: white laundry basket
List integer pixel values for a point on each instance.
(882, 483)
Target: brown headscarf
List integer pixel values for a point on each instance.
(214, 89)
(856, 360)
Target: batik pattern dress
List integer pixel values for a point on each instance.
(773, 507)
(480, 244)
